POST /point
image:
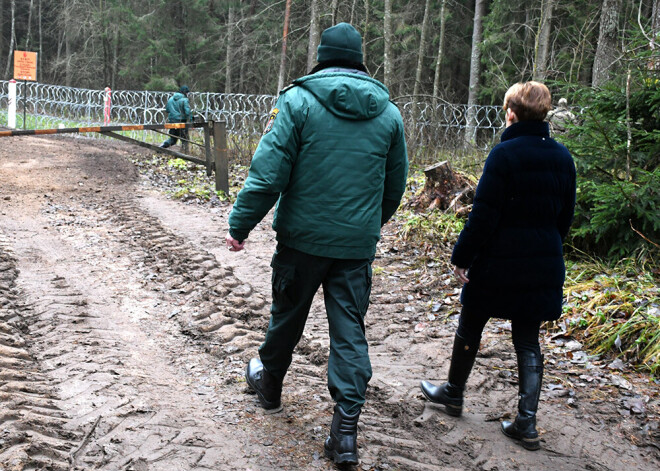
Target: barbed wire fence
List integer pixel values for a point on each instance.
(435, 130)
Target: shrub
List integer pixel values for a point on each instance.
(616, 145)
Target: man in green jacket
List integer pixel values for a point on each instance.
(333, 158)
(178, 111)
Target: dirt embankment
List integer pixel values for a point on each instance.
(125, 326)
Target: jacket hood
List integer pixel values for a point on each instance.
(347, 95)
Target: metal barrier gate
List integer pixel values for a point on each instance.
(215, 153)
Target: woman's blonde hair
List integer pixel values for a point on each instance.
(531, 101)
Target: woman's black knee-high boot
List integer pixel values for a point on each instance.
(530, 375)
(450, 394)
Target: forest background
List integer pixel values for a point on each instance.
(602, 55)
(440, 48)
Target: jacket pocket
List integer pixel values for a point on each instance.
(363, 303)
(282, 283)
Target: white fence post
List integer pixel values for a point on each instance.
(11, 116)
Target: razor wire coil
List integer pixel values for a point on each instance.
(430, 125)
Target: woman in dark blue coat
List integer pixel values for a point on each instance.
(509, 255)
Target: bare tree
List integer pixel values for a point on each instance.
(285, 35)
(2, 24)
(230, 50)
(12, 36)
(387, 37)
(366, 32)
(655, 24)
(542, 44)
(422, 49)
(29, 26)
(67, 45)
(40, 32)
(607, 50)
(441, 52)
(475, 71)
(334, 7)
(313, 35)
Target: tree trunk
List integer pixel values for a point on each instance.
(285, 35)
(2, 29)
(180, 14)
(12, 36)
(444, 189)
(655, 24)
(244, 49)
(607, 51)
(41, 49)
(475, 71)
(422, 51)
(441, 52)
(29, 26)
(313, 35)
(67, 45)
(387, 37)
(353, 5)
(334, 7)
(115, 60)
(366, 32)
(542, 46)
(230, 51)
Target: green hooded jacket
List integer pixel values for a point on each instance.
(333, 157)
(178, 109)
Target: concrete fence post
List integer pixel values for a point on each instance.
(11, 117)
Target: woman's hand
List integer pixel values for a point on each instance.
(461, 274)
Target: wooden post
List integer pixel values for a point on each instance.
(220, 154)
(208, 156)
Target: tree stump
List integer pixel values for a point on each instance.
(445, 190)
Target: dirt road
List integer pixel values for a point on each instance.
(125, 326)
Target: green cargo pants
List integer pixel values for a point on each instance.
(346, 289)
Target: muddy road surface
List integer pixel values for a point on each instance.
(125, 327)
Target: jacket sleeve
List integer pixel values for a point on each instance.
(185, 110)
(396, 173)
(565, 217)
(489, 200)
(270, 169)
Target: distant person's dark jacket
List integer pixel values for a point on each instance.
(512, 242)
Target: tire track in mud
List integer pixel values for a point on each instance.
(34, 434)
(215, 305)
(80, 330)
(128, 424)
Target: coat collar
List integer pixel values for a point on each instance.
(526, 128)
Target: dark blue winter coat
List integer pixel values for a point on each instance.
(512, 241)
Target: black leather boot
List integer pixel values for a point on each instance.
(341, 444)
(267, 387)
(164, 145)
(530, 375)
(450, 394)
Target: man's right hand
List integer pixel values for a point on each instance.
(232, 244)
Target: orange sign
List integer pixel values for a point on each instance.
(25, 65)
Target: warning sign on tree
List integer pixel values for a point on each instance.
(25, 65)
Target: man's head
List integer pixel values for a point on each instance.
(340, 43)
(184, 89)
(528, 101)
